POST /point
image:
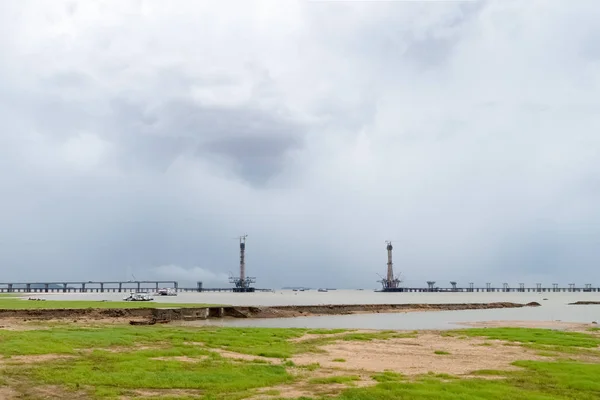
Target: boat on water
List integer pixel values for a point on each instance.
(166, 292)
(138, 297)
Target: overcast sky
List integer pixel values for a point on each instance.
(142, 137)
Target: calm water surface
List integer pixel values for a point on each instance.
(288, 297)
(554, 308)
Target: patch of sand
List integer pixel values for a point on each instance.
(530, 324)
(38, 358)
(17, 324)
(311, 336)
(245, 357)
(7, 393)
(23, 324)
(414, 356)
(304, 388)
(25, 390)
(160, 393)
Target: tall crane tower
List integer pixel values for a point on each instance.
(391, 283)
(242, 283)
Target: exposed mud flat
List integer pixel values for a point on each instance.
(585, 303)
(178, 314)
(565, 326)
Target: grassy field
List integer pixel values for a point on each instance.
(544, 340)
(135, 362)
(11, 302)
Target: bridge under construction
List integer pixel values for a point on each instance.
(392, 283)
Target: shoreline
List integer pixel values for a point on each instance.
(166, 314)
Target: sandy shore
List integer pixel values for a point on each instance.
(570, 326)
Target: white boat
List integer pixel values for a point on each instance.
(138, 297)
(166, 292)
(322, 290)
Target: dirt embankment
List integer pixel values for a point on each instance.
(173, 314)
(347, 309)
(85, 313)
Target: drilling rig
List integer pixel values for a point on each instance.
(242, 283)
(390, 283)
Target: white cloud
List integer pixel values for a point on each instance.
(140, 133)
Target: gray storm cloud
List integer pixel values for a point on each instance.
(145, 136)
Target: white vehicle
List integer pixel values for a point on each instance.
(138, 297)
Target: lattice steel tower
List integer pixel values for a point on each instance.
(390, 283)
(242, 283)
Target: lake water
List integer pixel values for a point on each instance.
(555, 308)
(288, 297)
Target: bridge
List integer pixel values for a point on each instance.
(505, 288)
(105, 287)
(85, 287)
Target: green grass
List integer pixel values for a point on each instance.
(326, 331)
(213, 375)
(538, 381)
(9, 302)
(69, 339)
(441, 353)
(544, 337)
(129, 365)
(104, 374)
(311, 367)
(340, 360)
(334, 379)
(387, 376)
